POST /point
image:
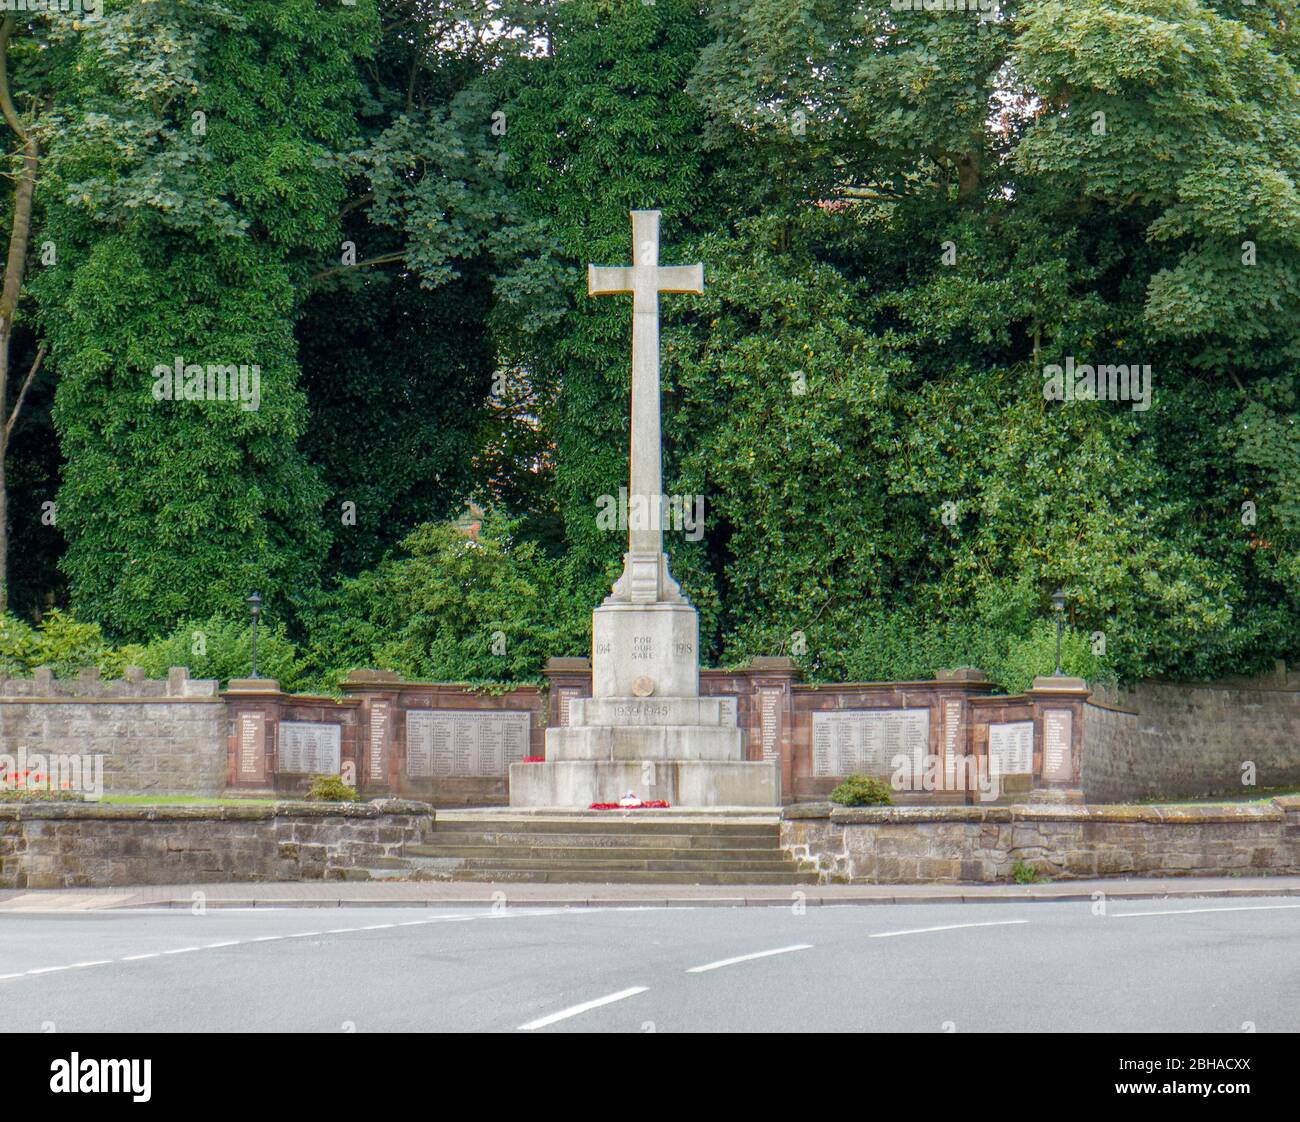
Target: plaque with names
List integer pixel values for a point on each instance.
(251, 745)
(377, 756)
(1058, 763)
(769, 721)
(563, 698)
(951, 742)
(1011, 748)
(464, 742)
(310, 748)
(869, 741)
(730, 708)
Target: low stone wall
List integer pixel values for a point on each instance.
(79, 845)
(1187, 739)
(899, 845)
(156, 736)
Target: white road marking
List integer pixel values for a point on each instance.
(947, 927)
(748, 958)
(181, 950)
(303, 934)
(574, 1010)
(138, 957)
(1198, 911)
(227, 943)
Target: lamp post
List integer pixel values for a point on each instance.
(254, 610)
(1058, 606)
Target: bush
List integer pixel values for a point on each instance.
(330, 789)
(223, 649)
(487, 609)
(862, 790)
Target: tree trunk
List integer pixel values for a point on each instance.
(19, 235)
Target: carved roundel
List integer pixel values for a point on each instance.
(643, 686)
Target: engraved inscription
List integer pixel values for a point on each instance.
(951, 740)
(643, 648)
(377, 764)
(1011, 748)
(1058, 764)
(868, 741)
(769, 722)
(309, 748)
(252, 744)
(462, 742)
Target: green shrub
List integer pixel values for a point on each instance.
(223, 649)
(862, 790)
(455, 609)
(1024, 873)
(330, 789)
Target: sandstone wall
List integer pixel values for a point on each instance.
(1187, 740)
(899, 845)
(78, 845)
(156, 736)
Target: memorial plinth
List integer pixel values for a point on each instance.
(646, 729)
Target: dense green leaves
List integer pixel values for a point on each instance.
(906, 218)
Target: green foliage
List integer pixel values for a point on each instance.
(490, 608)
(1024, 873)
(330, 788)
(905, 216)
(223, 649)
(862, 790)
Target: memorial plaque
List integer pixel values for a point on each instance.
(868, 741)
(769, 722)
(730, 708)
(563, 697)
(464, 742)
(1058, 762)
(952, 746)
(377, 756)
(251, 746)
(310, 748)
(1011, 748)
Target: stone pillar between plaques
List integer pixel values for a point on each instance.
(1058, 737)
(254, 708)
(377, 690)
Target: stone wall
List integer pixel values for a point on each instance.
(899, 845)
(1187, 740)
(156, 736)
(77, 845)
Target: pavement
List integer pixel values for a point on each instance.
(327, 894)
(1000, 964)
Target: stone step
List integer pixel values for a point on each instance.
(613, 839)
(570, 876)
(612, 823)
(595, 853)
(664, 864)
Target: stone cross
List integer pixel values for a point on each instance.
(645, 279)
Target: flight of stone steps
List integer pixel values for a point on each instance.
(604, 849)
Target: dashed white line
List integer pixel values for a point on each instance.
(748, 958)
(574, 1010)
(139, 957)
(181, 950)
(1199, 911)
(948, 927)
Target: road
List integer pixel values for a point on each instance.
(1144, 966)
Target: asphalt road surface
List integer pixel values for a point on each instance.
(1144, 966)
